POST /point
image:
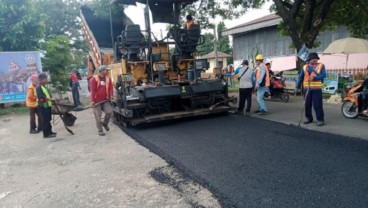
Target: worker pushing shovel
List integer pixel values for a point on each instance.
(312, 77)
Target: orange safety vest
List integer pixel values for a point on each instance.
(31, 100)
(315, 84)
(189, 23)
(97, 78)
(267, 75)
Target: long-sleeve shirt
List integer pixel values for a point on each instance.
(98, 91)
(320, 76)
(247, 79)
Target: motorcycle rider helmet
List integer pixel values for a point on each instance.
(267, 61)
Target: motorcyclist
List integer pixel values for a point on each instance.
(267, 62)
(365, 96)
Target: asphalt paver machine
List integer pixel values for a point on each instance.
(153, 83)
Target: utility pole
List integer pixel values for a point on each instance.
(215, 46)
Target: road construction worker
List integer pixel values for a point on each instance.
(31, 103)
(189, 22)
(101, 90)
(267, 63)
(262, 84)
(44, 105)
(245, 76)
(75, 87)
(312, 77)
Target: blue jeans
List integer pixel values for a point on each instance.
(231, 82)
(260, 98)
(75, 93)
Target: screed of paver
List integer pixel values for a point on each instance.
(87, 170)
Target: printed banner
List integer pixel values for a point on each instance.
(303, 53)
(330, 83)
(291, 77)
(16, 69)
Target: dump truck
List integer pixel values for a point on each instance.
(151, 83)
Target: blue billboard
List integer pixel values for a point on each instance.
(16, 69)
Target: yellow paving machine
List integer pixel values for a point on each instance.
(153, 83)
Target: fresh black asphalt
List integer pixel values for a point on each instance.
(250, 162)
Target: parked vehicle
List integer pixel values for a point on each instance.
(277, 88)
(352, 106)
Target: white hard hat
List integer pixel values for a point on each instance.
(267, 61)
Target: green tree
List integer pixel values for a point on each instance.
(57, 61)
(207, 47)
(353, 14)
(303, 20)
(206, 10)
(62, 17)
(223, 41)
(102, 8)
(21, 25)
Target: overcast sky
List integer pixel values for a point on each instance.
(136, 14)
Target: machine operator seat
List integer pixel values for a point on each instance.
(133, 41)
(190, 40)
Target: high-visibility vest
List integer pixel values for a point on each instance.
(31, 100)
(266, 76)
(315, 84)
(45, 91)
(188, 24)
(97, 78)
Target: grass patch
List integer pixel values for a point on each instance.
(13, 110)
(233, 89)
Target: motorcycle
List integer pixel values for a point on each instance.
(352, 106)
(277, 88)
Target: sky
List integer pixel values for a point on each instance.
(136, 14)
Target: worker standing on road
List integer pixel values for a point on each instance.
(262, 84)
(245, 76)
(101, 90)
(31, 103)
(75, 87)
(230, 69)
(44, 106)
(312, 77)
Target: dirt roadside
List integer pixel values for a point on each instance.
(87, 170)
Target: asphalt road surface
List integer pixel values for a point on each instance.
(250, 162)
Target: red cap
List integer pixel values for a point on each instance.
(34, 77)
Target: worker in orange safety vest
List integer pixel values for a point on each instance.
(101, 90)
(189, 22)
(312, 77)
(262, 84)
(31, 103)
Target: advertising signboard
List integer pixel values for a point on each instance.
(291, 77)
(330, 83)
(16, 69)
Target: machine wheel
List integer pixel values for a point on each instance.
(349, 110)
(69, 119)
(285, 97)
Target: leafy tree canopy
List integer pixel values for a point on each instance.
(62, 17)
(102, 8)
(21, 25)
(58, 60)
